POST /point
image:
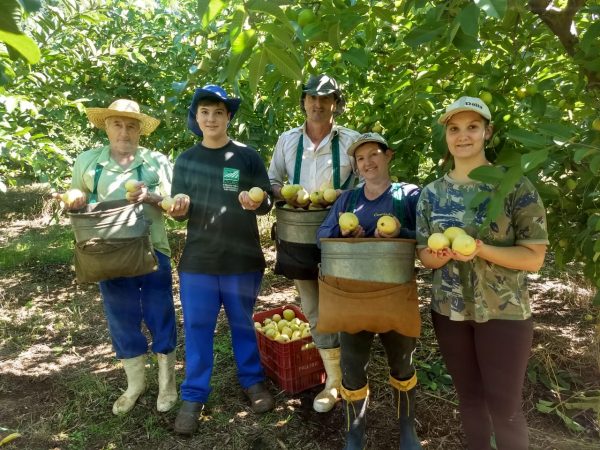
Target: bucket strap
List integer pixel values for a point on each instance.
(98, 172)
(398, 201)
(335, 152)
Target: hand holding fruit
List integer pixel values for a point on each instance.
(349, 225)
(453, 243)
(72, 199)
(136, 191)
(252, 199)
(176, 206)
(387, 227)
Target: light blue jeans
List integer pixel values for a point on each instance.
(309, 300)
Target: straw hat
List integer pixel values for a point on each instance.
(122, 108)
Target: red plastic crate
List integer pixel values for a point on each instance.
(287, 364)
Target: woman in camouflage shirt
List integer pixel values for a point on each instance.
(480, 305)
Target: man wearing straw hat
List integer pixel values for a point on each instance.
(100, 175)
(311, 155)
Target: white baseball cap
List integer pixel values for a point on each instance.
(466, 104)
(363, 139)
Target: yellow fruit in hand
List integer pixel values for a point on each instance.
(288, 314)
(325, 185)
(348, 222)
(452, 232)
(316, 197)
(302, 197)
(131, 185)
(167, 202)
(256, 194)
(464, 244)
(70, 196)
(289, 191)
(437, 241)
(387, 225)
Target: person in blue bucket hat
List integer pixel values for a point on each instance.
(222, 264)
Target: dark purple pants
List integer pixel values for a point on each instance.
(487, 362)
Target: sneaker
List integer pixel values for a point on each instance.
(187, 417)
(261, 399)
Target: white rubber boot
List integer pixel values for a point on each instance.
(325, 400)
(136, 384)
(167, 390)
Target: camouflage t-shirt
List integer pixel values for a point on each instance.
(479, 290)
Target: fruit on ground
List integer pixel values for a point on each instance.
(70, 196)
(437, 241)
(131, 185)
(348, 222)
(464, 244)
(330, 195)
(452, 232)
(387, 225)
(288, 314)
(256, 194)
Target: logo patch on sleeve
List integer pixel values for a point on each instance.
(231, 179)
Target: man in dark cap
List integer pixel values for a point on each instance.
(314, 155)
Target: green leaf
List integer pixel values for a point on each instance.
(24, 45)
(558, 130)
(284, 62)
(582, 153)
(244, 41)
(334, 36)
(538, 105)
(531, 160)
(570, 423)
(464, 42)
(422, 35)
(596, 300)
(493, 8)
(210, 11)
(256, 67)
(527, 138)
(595, 165)
(487, 174)
(469, 20)
(269, 8)
(357, 56)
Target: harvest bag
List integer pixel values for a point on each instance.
(356, 305)
(112, 239)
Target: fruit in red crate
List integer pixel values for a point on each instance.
(288, 314)
(276, 318)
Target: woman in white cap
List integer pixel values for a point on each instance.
(377, 197)
(480, 306)
(100, 174)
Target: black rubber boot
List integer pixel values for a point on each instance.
(404, 401)
(355, 417)
(186, 421)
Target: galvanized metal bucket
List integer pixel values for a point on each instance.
(298, 226)
(369, 259)
(116, 219)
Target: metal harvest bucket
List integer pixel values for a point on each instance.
(298, 226)
(115, 219)
(369, 259)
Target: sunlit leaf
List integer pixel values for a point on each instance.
(494, 8)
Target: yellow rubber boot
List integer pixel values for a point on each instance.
(136, 384)
(325, 400)
(167, 389)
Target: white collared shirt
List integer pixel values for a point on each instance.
(317, 160)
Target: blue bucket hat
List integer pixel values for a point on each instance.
(215, 92)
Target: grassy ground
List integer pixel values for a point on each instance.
(59, 378)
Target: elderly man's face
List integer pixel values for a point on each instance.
(123, 134)
(319, 108)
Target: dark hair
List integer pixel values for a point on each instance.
(210, 101)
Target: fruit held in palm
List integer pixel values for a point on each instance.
(70, 196)
(387, 225)
(316, 197)
(289, 191)
(330, 195)
(348, 222)
(325, 185)
(256, 194)
(464, 244)
(167, 202)
(437, 241)
(131, 185)
(302, 197)
(452, 232)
